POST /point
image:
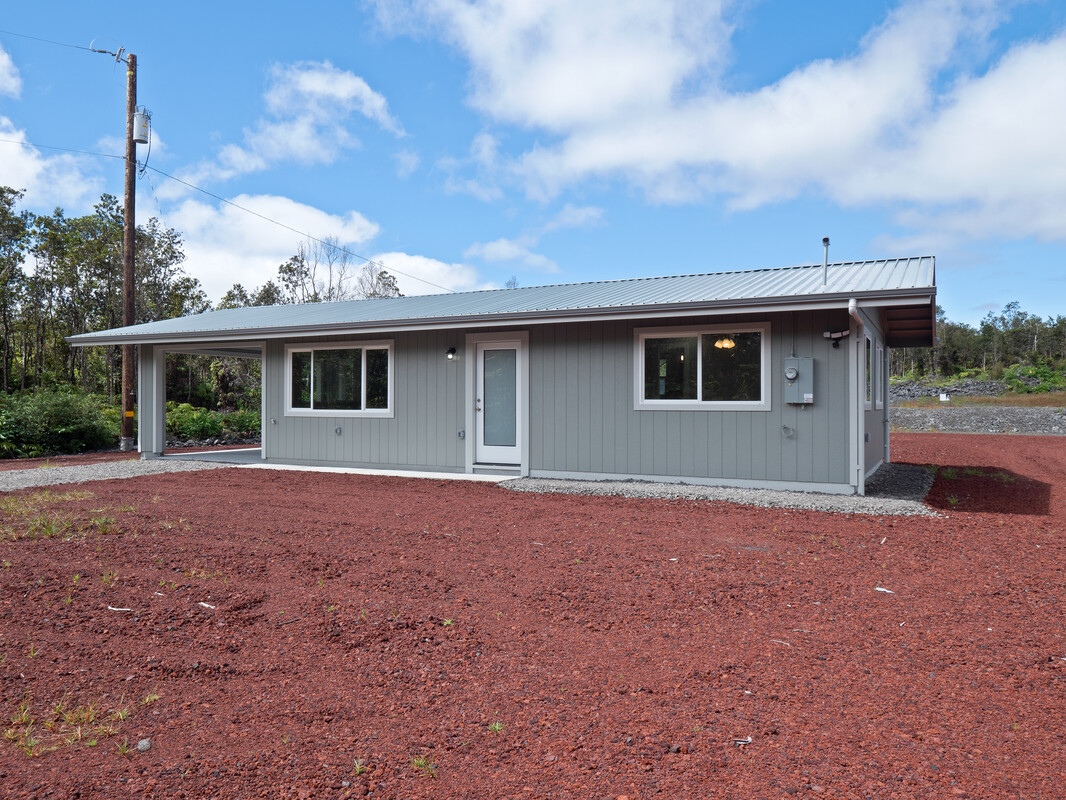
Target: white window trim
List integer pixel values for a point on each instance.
(641, 404)
(376, 344)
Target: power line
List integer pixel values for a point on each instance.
(240, 207)
(295, 230)
(64, 149)
(48, 41)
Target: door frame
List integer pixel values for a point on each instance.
(470, 357)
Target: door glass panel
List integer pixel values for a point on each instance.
(501, 397)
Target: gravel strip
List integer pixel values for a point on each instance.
(1040, 420)
(894, 490)
(11, 480)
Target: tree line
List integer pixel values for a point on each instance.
(61, 275)
(1003, 339)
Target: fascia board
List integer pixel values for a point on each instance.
(661, 311)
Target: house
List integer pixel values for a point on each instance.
(771, 378)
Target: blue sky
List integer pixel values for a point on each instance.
(466, 141)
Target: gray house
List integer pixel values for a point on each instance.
(767, 378)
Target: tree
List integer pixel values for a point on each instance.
(14, 237)
(375, 281)
(320, 272)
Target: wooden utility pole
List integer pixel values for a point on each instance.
(129, 236)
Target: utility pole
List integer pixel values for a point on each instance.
(129, 236)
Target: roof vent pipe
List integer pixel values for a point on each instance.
(825, 261)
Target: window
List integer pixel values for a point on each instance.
(350, 380)
(869, 372)
(879, 373)
(716, 367)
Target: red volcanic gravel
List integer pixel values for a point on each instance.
(299, 635)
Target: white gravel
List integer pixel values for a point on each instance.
(11, 480)
(895, 490)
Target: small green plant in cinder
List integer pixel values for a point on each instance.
(496, 726)
(447, 622)
(424, 765)
(34, 651)
(124, 748)
(949, 473)
(149, 698)
(360, 767)
(953, 500)
(103, 524)
(109, 578)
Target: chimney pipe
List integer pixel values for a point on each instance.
(825, 261)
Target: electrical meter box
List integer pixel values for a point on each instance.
(799, 380)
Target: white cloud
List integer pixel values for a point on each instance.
(225, 245)
(323, 89)
(559, 64)
(633, 90)
(519, 250)
(441, 275)
(10, 82)
(49, 180)
(515, 250)
(571, 216)
(483, 161)
(990, 161)
(308, 105)
(407, 162)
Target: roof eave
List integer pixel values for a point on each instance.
(895, 297)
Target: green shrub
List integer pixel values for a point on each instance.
(48, 422)
(1029, 378)
(242, 423)
(187, 422)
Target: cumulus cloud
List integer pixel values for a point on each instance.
(477, 174)
(423, 275)
(991, 160)
(10, 82)
(636, 91)
(63, 180)
(519, 250)
(512, 250)
(308, 105)
(407, 162)
(559, 64)
(225, 245)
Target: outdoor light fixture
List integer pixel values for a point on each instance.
(450, 355)
(725, 343)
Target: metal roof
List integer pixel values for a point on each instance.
(901, 283)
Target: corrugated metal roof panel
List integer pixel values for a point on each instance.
(799, 283)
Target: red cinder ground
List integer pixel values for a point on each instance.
(316, 635)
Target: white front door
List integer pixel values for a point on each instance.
(499, 387)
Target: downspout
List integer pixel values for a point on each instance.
(885, 361)
(857, 420)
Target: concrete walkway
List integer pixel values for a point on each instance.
(252, 458)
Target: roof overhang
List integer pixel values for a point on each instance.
(910, 316)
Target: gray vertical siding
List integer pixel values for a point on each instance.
(422, 434)
(582, 416)
(583, 419)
